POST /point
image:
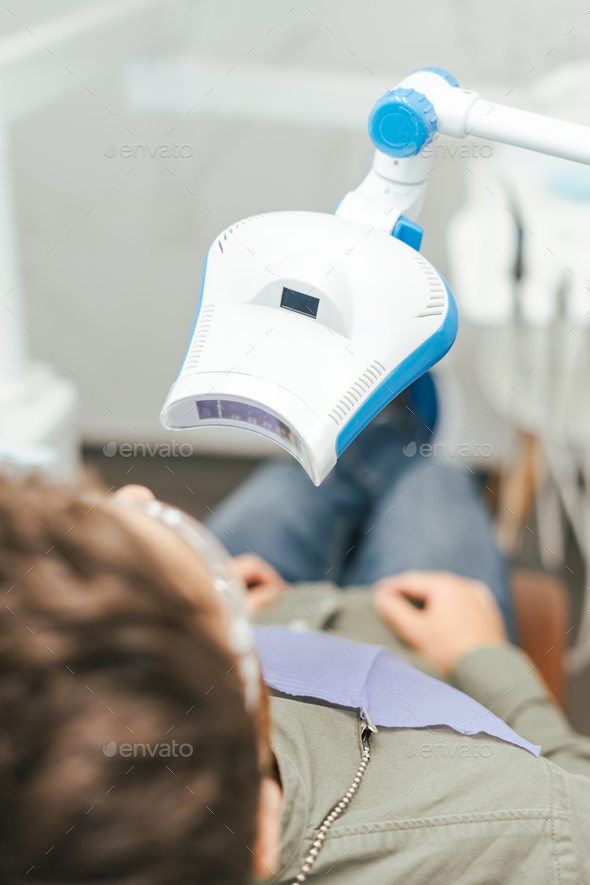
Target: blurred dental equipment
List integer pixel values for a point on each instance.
(38, 407)
(521, 268)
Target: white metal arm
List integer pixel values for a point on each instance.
(395, 185)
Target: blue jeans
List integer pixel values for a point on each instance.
(378, 513)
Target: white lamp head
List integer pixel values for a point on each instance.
(307, 326)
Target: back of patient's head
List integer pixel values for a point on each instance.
(98, 646)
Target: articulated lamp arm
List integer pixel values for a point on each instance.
(404, 122)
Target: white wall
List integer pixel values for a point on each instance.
(116, 244)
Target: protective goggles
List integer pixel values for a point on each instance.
(226, 581)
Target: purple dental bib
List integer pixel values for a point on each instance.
(349, 674)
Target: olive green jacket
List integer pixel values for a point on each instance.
(434, 806)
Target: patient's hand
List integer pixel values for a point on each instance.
(456, 616)
(264, 583)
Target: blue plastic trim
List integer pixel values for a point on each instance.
(338, 205)
(408, 232)
(423, 358)
(424, 401)
(199, 302)
(441, 73)
(401, 122)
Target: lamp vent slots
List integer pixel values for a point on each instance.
(437, 299)
(223, 238)
(200, 336)
(356, 392)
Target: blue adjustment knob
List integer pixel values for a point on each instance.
(402, 122)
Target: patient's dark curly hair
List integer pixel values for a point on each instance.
(98, 646)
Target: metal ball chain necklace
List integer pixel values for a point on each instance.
(366, 728)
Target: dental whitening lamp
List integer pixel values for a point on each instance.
(308, 324)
